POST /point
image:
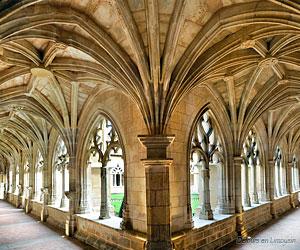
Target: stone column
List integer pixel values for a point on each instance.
(297, 176)
(13, 184)
(72, 195)
(246, 196)
(28, 206)
(105, 204)
(279, 193)
(86, 189)
(44, 212)
(237, 164)
(294, 177)
(71, 220)
(21, 186)
(254, 183)
(205, 210)
(30, 187)
(289, 187)
(63, 201)
(271, 190)
(53, 186)
(157, 190)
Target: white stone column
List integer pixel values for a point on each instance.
(270, 185)
(246, 196)
(279, 192)
(205, 209)
(289, 176)
(254, 195)
(86, 189)
(63, 201)
(104, 206)
(14, 186)
(297, 177)
(53, 186)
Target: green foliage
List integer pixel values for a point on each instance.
(194, 202)
(116, 201)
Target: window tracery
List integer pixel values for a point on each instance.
(206, 151)
(61, 174)
(250, 156)
(105, 152)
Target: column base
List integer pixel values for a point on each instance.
(206, 212)
(247, 201)
(254, 198)
(104, 217)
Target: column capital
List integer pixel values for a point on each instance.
(156, 145)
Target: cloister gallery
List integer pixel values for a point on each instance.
(150, 124)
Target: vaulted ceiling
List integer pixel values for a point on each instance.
(57, 55)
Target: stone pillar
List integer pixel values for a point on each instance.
(71, 220)
(53, 186)
(279, 193)
(72, 195)
(289, 176)
(13, 184)
(237, 164)
(297, 176)
(86, 189)
(21, 186)
(44, 212)
(205, 211)
(271, 190)
(254, 195)
(63, 201)
(20, 194)
(105, 204)
(28, 206)
(294, 178)
(246, 196)
(157, 190)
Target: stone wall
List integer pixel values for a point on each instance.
(281, 205)
(256, 216)
(56, 217)
(105, 237)
(36, 208)
(210, 236)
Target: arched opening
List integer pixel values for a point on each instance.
(206, 168)
(106, 164)
(251, 171)
(60, 175)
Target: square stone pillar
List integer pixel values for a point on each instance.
(157, 191)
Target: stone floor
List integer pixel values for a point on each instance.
(21, 231)
(282, 233)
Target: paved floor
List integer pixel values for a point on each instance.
(282, 233)
(21, 231)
